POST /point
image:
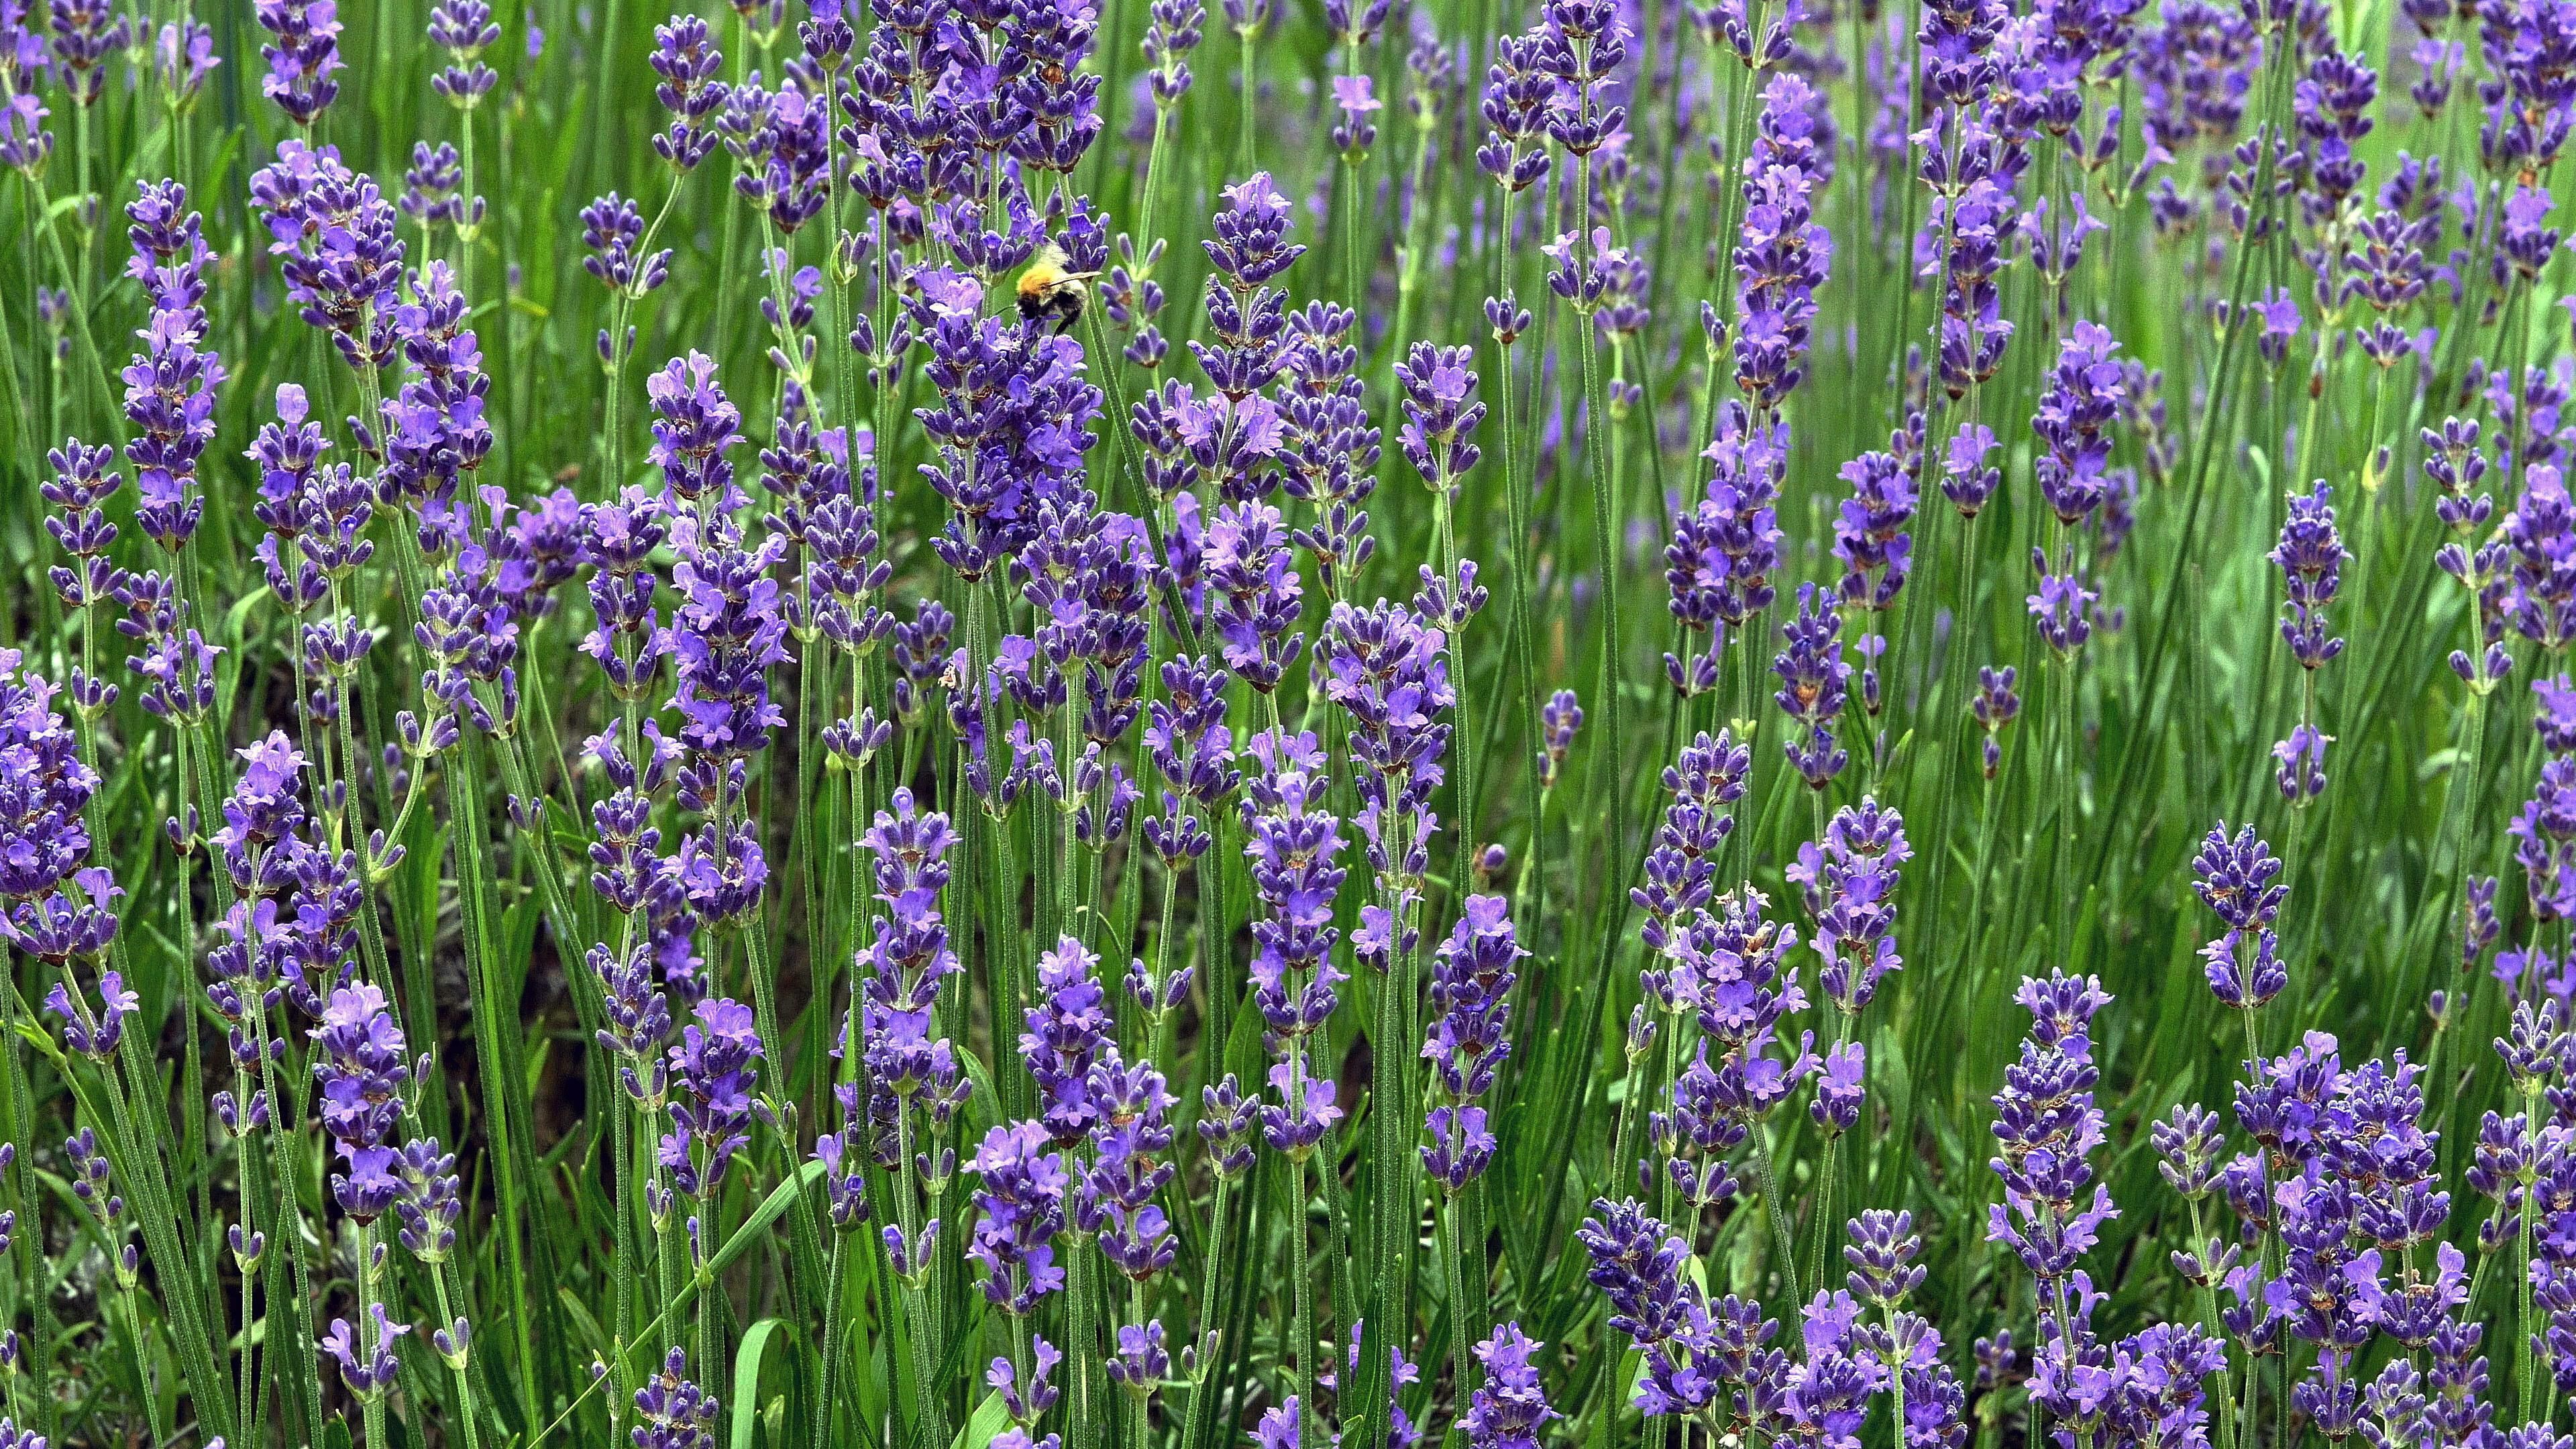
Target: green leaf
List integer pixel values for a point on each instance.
(753, 1227)
(980, 1430)
(593, 1337)
(746, 1377)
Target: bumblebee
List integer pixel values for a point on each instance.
(1050, 293)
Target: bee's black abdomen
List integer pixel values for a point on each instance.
(1061, 306)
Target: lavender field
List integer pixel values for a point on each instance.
(1412, 724)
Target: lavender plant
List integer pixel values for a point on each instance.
(677, 767)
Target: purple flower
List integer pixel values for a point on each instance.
(1994, 706)
(91, 1175)
(1011, 425)
(1291, 843)
(2386, 263)
(612, 228)
(1783, 254)
(1279, 1428)
(781, 142)
(1703, 784)
(1814, 685)
(2062, 609)
(2057, 250)
(1247, 318)
(1255, 594)
(1388, 669)
(1747, 462)
(2045, 1126)
(264, 808)
(1329, 448)
(713, 1070)
(317, 515)
(464, 29)
(1519, 93)
(2234, 876)
(1841, 1086)
(2160, 1393)
(1193, 749)
(470, 644)
(86, 32)
(1068, 1030)
(1637, 1262)
(1020, 1210)
(1027, 1402)
(2554, 713)
(1581, 43)
(1440, 413)
(2084, 394)
(1881, 1253)
(336, 239)
(2310, 556)
(673, 1413)
(1869, 531)
(627, 639)
(1471, 976)
(1509, 1408)
(303, 55)
(1559, 718)
(917, 653)
(1965, 479)
(367, 1368)
(2278, 314)
(687, 62)
(25, 144)
(2302, 761)
(906, 960)
(1308, 1107)
(2544, 834)
(430, 185)
(1851, 890)
(1056, 102)
(2189, 1146)
(1965, 242)
(429, 1204)
(1226, 1121)
(1141, 1363)
(1355, 132)
(1087, 575)
(694, 423)
(1129, 1136)
(74, 925)
(2540, 535)
(436, 432)
(60, 931)
(1173, 28)
(170, 386)
(726, 633)
(360, 1064)
(83, 481)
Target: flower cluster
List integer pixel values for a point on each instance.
(1471, 974)
(1292, 840)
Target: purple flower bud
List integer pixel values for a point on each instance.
(1510, 1406)
(303, 56)
(1021, 1207)
(2310, 556)
(2045, 1126)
